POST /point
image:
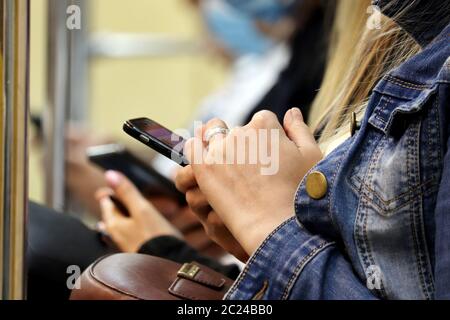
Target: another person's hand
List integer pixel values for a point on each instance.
(250, 203)
(212, 223)
(144, 221)
(83, 178)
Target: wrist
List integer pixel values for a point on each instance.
(252, 238)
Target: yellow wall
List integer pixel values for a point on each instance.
(166, 89)
(37, 89)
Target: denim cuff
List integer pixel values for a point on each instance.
(274, 268)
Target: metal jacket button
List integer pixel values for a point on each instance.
(316, 185)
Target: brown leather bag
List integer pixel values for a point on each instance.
(128, 276)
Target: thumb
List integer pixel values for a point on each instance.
(296, 128)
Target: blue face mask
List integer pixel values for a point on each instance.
(266, 10)
(235, 30)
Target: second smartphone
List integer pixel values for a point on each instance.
(147, 180)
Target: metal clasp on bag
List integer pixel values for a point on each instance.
(188, 271)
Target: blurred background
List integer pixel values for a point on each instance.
(165, 84)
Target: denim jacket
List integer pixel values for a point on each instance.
(382, 231)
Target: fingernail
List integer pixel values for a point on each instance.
(296, 114)
(290, 117)
(113, 178)
(104, 203)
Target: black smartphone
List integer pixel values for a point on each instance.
(149, 181)
(157, 137)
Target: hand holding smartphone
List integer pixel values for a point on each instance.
(144, 177)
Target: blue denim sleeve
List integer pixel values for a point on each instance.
(294, 264)
(442, 245)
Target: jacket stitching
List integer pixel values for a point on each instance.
(301, 266)
(252, 259)
(438, 122)
(371, 259)
(410, 191)
(331, 193)
(406, 84)
(425, 257)
(366, 251)
(413, 216)
(356, 234)
(382, 108)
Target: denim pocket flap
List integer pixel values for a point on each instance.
(393, 112)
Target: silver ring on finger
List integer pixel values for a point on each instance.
(212, 132)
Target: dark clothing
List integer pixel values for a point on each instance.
(57, 241)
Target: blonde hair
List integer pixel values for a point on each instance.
(359, 58)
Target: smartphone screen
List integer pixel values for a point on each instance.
(161, 133)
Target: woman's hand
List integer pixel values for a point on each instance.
(144, 221)
(254, 198)
(82, 177)
(212, 223)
